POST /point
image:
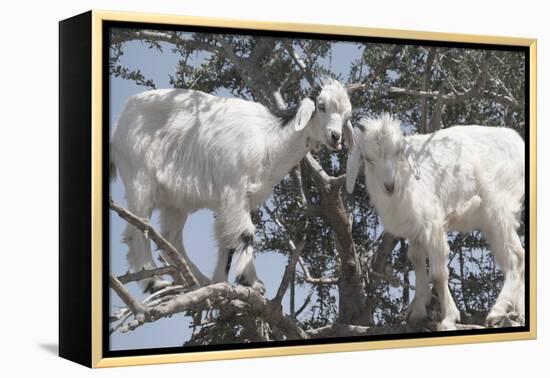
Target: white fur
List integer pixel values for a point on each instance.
(469, 178)
(182, 150)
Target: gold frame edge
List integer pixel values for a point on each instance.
(98, 16)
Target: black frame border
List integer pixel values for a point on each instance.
(75, 189)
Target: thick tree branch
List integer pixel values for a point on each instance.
(150, 273)
(323, 178)
(352, 300)
(386, 244)
(437, 114)
(221, 296)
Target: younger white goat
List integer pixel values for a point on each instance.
(461, 178)
(182, 150)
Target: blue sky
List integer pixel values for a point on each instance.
(198, 232)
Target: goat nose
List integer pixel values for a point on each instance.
(389, 187)
(336, 135)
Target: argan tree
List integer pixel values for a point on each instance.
(358, 278)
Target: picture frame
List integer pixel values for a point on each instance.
(87, 208)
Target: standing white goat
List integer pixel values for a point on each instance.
(457, 179)
(182, 150)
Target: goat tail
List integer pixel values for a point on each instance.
(112, 167)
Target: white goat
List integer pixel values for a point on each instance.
(182, 150)
(457, 179)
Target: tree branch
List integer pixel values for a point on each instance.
(474, 91)
(134, 305)
(149, 232)
(338, 329)
(315, 281)
(382, 66)
(413, 92)
(352, 87)
(290, 269)
(319, 174)
(221, 296)
(305, 195)
(507, 101)
(150, 273)
(295, 251)
(386, 244)
(346, 330)
(303, 306)
(299, 62)
(122, 36)
(248, 69)
(425, 85)
(152, 300)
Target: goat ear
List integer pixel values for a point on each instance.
(411, 159)
(304, 114)
(352, 168)
(349, 138)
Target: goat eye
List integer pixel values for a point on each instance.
(369, 160)
(321, 106)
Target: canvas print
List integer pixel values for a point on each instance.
(276, 189)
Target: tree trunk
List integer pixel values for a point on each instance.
(352, 300)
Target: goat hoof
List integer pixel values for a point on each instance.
(496, 318)
(416, 314)
(506, 320)
(155, 285)
(257, 284)
(446, 325)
